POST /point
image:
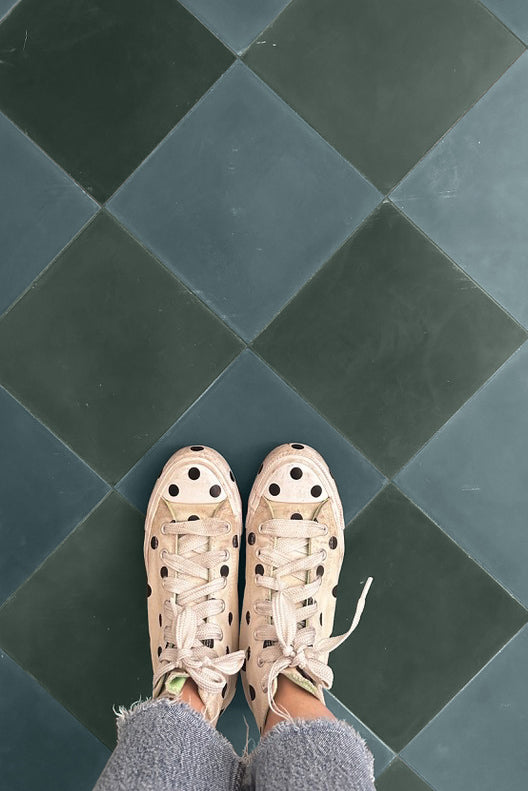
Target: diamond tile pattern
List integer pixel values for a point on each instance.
(237, 228)
(416, 646)
(243, 207)
(41, 209)
(473, 481)
(63, 753)
(236, 22)
(383, 81)
(469, 194)
(36, 514)
(101, 338)
(483, 730)
(388, 305)
(270, 414)
(99, 84)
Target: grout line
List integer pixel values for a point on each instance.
(465, 551)
(54, 550)
(470, 681)
(455, 123)
(52, 696)
(458, 266)
(501, 22)
(50, 263)
(176, 277)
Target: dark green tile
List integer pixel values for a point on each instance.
(79, 624)
(99, 84)
(389, 339)
(114, 348)
(398, 777)
(383, 81)
(432, 619)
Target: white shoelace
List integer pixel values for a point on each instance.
(294, 646)
(186, 622)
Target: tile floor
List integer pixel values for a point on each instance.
(242, 223)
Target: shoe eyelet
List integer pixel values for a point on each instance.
(163, 554)
(227, 555)
(325, 554)
(259, 528)
(162, 529)
(259, 662)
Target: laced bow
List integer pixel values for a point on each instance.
(186, 621)
(292, 646)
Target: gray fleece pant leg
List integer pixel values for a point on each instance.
(311, 755)
(167, 746)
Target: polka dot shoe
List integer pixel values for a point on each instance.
(192, 538)
(295, 547)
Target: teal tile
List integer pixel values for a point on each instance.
(98, 85)
(479, 739)
(383, 81)
(236, 22)
(398, 777)
(514, 14)
(236, 226)
(432, 619)
(389, 339)
(259, 411)
(114, 348)
(87, 609)
(41, 209)
(381, 753)
(43, 746)
(45, 491)
(471, 477)
(469, 194)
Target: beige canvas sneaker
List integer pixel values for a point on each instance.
(295, 548)
(192, 538)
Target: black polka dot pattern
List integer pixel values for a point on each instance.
(251, 538)
(224, 571)
(321, 618)
(334, 591)
(193, 518)
(274, 489)
(194, 473)
(159, 619)
(224, 690)
(252, 693)
(296, 515)
(298, 447)
(173, 490)
(296, 473)
(259, 568)
(248, 617)
(243, 666)
(197, 447)
(231, 475)
(154, 542)
(248, 652)
(149, 591)
(332, 543)
(230, 618)
(215, 490)
(159, 650)
(235, 541)
(320, 571)
(316, 491)
(164, 571)
(260, 469)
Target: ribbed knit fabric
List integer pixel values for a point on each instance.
(167, 746)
